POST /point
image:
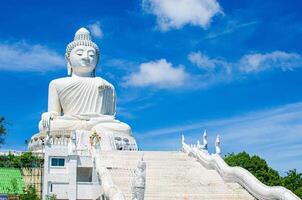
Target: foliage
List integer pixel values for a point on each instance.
(293, 182)
(2, 131)
(26, 159)
(51, 197)
(30, 193)
(13, 188)
(267, 175)
(256, 165)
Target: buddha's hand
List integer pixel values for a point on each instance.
(46, 117)
(105, 87)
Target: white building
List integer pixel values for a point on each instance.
(69, 176)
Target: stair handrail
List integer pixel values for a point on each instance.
(239, 175)
(111, 191)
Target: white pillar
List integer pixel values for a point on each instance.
(45, 189)
(72, 177)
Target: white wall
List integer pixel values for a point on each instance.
(60, 189)
(88, 191)
(63, 179)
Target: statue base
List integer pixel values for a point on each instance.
(108, 140)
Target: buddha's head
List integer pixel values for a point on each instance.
(82, 54)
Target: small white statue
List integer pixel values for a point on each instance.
(95, 140)
(47, 140)
(217, 145)
(138, 188)
(72, 146)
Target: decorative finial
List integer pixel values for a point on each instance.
(205, 139)
(217, 145)
(182, 139)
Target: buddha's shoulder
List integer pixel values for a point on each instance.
(66, 81)
(60, 81)
(102, 81)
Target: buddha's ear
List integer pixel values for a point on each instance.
(69, 69)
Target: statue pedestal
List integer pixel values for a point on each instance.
(69, 167)
(109, 140)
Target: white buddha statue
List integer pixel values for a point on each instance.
(83, 101)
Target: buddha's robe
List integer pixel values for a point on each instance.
(87, 96)
(85, 103)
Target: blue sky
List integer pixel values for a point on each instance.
(179, 66)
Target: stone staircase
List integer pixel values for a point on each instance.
(170, 176)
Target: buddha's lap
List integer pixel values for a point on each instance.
(115, 126)
(99, 125)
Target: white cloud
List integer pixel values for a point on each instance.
(253, 63)
(159, 74)
(232, 26)
(203, 61)
(178, 13)
(130, 113)
(118, 63)
(217, 70)
(22, 56)
(250, 63)
(96, 30)
(274, 134)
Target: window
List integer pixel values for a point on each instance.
(57, 162)
(84, 174)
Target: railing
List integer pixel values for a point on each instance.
(237, 174)
(62, 137)
(112, 192)
(37, 141)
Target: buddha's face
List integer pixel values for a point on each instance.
(83, 59)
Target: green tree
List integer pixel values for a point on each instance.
(293, 182)
(26, 159)
(13, 187)
(30, 193)
(267, 175)
(51, 197)
(256, 165)
(2, 131)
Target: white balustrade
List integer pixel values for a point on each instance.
(110, 189)
(237, 174)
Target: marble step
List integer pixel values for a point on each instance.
(171, 175)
